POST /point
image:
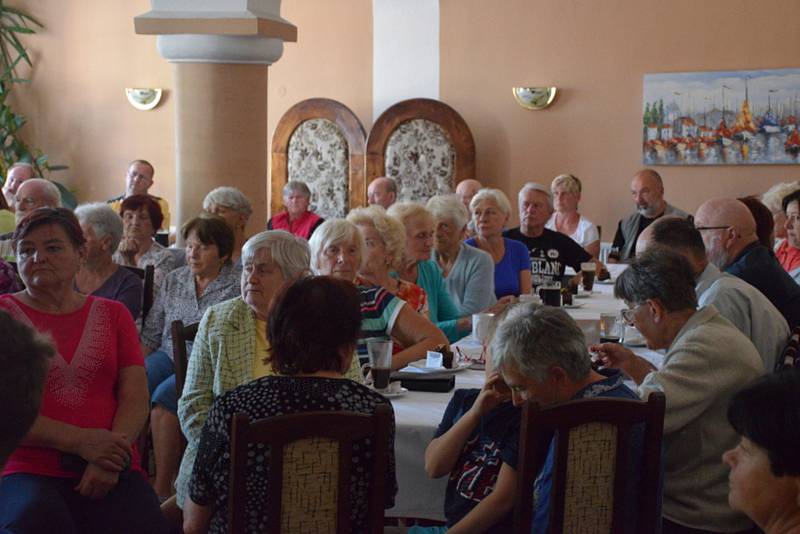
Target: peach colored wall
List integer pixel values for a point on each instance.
(596, 53)
(77, 112)
(88, 53)
(332, 58)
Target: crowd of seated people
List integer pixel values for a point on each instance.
(276, 312)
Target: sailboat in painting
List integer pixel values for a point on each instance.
(744, 117)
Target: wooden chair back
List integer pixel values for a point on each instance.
(350, 129)
(147, 275)
(425, 109)
(581, 431)
(279, 432)
(181, 334)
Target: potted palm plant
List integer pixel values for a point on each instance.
(15, 23)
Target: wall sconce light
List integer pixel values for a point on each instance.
(143, 98)
(534, 97)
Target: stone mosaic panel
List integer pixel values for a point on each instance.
(421, 158)
(319, 156)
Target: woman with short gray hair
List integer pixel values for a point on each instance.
(231, 347)
(235, 209)
(468, 272)
(98, 274)
(566, 191)
(491, 211)
(297, 219)
(336, 250)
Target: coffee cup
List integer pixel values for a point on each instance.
(550, 293)
(480, 325)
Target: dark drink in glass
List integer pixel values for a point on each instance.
(609, 339)
(551, 296)
(380, 378)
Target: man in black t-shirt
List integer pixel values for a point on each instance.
(550, 251)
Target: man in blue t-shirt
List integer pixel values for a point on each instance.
(538, 353)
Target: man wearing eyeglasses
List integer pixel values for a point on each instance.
(647, 190)
(32, 194)
(707, 360)
(736, 300)
(729, 235)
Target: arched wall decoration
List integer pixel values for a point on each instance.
(414, 146)
(316, 155)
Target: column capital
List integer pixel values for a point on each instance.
(217, 31)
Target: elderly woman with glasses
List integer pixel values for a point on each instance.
(77, 469)
(764, 466)
(491, 211)
(235, 209)
(468, 272)
(566, 190)
(231, 347)
(99, 275)
(187, 292)
(141, 218)
(417, 267)
(707, 361)
(337, 250)
(297, 219)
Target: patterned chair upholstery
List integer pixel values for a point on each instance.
(424, 145)
(421, 159)
(597, 444)
(320, 142)
(318, 156)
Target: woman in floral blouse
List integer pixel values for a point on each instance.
(185, 295)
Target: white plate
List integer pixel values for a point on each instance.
(585, 294)
(572, 306)
(608, 282)
(418, 367)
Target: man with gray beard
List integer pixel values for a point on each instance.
(647, 190)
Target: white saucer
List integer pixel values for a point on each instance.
(572, 306)
(392, 393)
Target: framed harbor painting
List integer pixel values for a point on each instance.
(745, 117)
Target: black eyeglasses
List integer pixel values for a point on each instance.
(701, 228)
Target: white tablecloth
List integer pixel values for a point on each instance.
(417, 414)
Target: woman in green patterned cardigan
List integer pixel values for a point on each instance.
(231, 348)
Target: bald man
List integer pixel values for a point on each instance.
(729, 235)
(647, 190)
(736, 300)
(382, 191)
(466, 189)
(17, 173)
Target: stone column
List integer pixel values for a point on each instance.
(221, 50)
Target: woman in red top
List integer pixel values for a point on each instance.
(77, 470)
(297, 219)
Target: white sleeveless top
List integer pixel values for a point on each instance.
(584, 234)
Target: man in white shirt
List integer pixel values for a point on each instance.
(736, 300)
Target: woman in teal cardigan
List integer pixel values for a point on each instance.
(417, 267)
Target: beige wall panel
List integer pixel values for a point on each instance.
(596, 53)
(77, 112)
